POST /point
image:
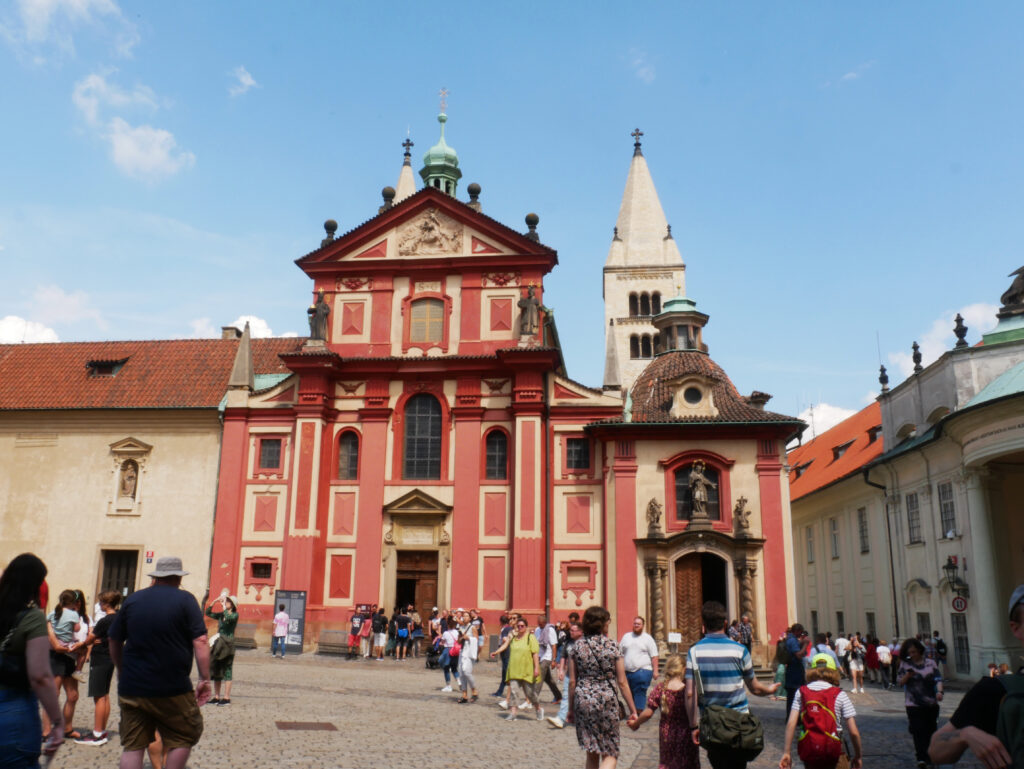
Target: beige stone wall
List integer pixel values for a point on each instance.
(59, 492)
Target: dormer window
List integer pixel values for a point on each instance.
(838, 451)
(801, 469)
(98, 368)
(873, 433)
(693, 396)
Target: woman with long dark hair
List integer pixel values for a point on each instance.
(222, 655)
(921, 679)
(25, 677)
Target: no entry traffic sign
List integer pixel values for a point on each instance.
(959, 603)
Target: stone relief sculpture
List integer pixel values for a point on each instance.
(129, 479)
(699, 485)
(318, 314)
(529, 319)
(430, 234)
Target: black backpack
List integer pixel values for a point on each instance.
(940, 647)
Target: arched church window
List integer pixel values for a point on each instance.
(497, 456)
(348, 456)
(426, 324)
(645, 346)
(422, 438)
(697, 489)
(634, 347)
(634, 306)
(645, 304)
(656, 302)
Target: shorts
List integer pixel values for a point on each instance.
(101, 672)
(857, 665)
(61, 665)
(379, 639)
(178, 719)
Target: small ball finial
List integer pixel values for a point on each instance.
(330, 227)
(532, 220)
(388, 193)
(474, 190)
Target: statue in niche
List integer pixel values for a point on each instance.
(129, 479)
(742, 517)
(699, 485)
(318, 314)
(654, 514)
(529, 306)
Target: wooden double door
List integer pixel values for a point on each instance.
(699, 577)
(416, 582)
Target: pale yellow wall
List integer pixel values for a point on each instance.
(57, 481)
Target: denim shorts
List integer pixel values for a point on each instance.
(19, 738)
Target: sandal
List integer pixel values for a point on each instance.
(72, 734)
(224, 702)
(462, 701)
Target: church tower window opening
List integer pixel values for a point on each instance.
(422, 438)
(645, 346)
(348, 456)
(634, 305)
(634, 346)
(645, 304)
(656, 303)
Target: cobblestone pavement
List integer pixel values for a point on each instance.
(383, 710)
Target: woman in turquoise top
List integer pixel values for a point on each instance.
(222, 655)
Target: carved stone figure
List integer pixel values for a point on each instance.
(699, 485)
(742, 517)
(129, 479)
(1013, 297)
(654, 511)
(318, 314)
(529, 319)
(430, 234)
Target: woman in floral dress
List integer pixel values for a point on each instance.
(595, 668)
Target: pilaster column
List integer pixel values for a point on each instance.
(986, 591)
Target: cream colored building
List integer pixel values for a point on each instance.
(886, 504)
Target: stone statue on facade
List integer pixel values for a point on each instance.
(318, 314)
(741, 516)
(529, 319)
(129, 479)
(699, 485)
(654, 511)
(1013, 297)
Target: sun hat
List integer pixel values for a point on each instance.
(1016, 598)
(823, 660)
(169, 566)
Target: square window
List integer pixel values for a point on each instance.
(577, 453)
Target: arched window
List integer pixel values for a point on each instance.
(687, 479)
(348, 456)
(427, 321)
(645, 304)
(645, 346)
(634, 346)
(656, 302)
(497, 456)
(422, 438)
(634, 306)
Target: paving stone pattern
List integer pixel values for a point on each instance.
(381, 707)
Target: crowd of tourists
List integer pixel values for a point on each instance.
(152, 637)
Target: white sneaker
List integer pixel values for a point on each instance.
(503, 705)
(79, 676)
(556, 722)
(853, 690)
(540, 714)
(446, 689)
(862, 690)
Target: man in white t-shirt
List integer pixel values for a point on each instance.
(640, 658)
(547, 640)
(842, 650)
(281, 621)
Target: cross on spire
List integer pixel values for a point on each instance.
(443, 93)
(636, 134)
(408, 144)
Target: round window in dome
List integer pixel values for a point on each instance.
(692, 395)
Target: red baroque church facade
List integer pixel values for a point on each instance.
(427, 446)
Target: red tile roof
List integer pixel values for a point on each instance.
(814, 465)
(177, 373)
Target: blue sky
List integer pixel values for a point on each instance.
(832, 172)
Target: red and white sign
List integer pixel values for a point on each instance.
(960, 604)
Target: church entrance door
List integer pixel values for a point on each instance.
(699, 577)
(416, 581)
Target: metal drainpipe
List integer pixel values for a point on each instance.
(888, 538)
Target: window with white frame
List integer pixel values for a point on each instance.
(810, 544)
(862, 529)
(833, 535)
(913, 519)
(947, 510)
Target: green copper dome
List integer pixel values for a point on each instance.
(441, 164)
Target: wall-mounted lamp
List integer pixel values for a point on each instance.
(952, 571)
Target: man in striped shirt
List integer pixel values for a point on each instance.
(726, 672)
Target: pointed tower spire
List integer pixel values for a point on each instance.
(406, 179)
(611, 361)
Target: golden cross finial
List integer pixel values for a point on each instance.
(444, 99)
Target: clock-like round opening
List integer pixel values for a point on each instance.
(692, 395)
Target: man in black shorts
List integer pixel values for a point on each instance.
(101, 669)
(152, 642)
(973, 725)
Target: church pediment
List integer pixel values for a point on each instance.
(129, 447)
(427, 225)
(573, 393)
(417, 502)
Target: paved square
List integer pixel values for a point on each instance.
(394, 713)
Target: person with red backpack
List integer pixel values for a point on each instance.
(820, 709)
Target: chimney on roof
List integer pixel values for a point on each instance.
(230, 332)
(757, 399)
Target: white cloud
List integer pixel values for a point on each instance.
(822, 417)
(258, 327)
(145, 152)
(203, 329)
(53, 305)
(38, 24)
(15, 330)
(870, 397)
(93, 92)
(641, 67)
(979, 318)
(244, 82)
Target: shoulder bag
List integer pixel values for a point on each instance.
(723, 728)
(13, 669)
